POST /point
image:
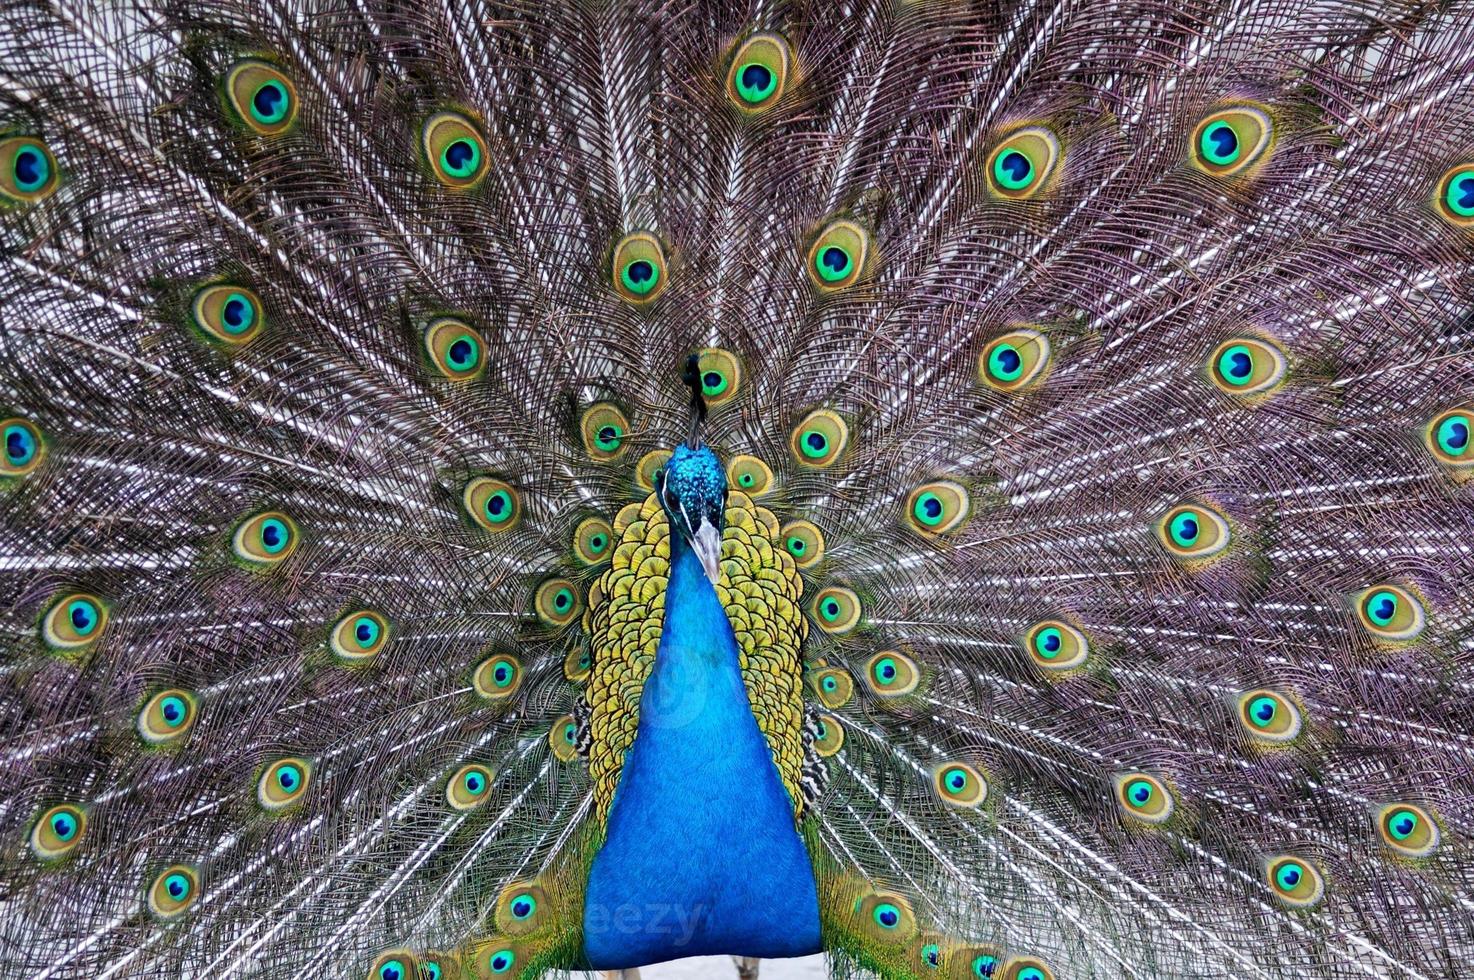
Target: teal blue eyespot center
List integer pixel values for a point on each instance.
(289, 778)
(821, 731)
(499, 507)
(1459, 196)
(1262, 711)
(830, 609)
(1005, 363)
(796, 546)
(30, 167)
(475, 782)
(562, 600)
(523, 906)
(1402, 823)
(887, 916)
(570, 733)
(1236, 365)
(237, 314)
(1381, 607)
(20, 444)
(174, 710)
(755, 82)
(64, 826)
(1453, 435)
(177, 887)
(274, 535)
(83, 615)
(833, 263)
(501, 961)
(598, 543)
(1013, 170)
(608, 437)
(1048, 643)
(713, 383)
(1219, 144)
(365, 632)
(464, 353)
(929, 509)
(1139, 793)
(392, 970)
(1185, 528)
(747, 479)
(640, 276)
(432, 970)
(1288, 875)
(503, 674)
(931, 955)
(830, 684)
(1031, 973)
(984, 966)
(955, 780)
(815, 444)
(886, 671)
(271, 102)
(461, 157)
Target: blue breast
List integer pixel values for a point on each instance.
(701, 854)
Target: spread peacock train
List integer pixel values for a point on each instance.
(509, 488)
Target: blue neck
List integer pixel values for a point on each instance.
(701, 855)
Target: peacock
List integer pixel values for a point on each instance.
(519, 487)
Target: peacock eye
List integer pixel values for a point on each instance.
(455, 348)
(1193, 532)
(647, 470)
(721, 375)
(984, 966)
(497, 677)
(886, 917)
(173, 892)
(1015, 360)
(167, 717)
(891, 674)
(758, 72)
(1055, 645)
(23, 447)
(563, 738)
(838, 256)
(557, 603)
(73, 623)
(520, 908)
(1246, 366)
(283, 784)
(263, 99)
(27, 170)
(491, 503)
(1232, 140)
(803, 541)
(1295, 881)
(639, 268)
(604, 429)
(1408, 830)
(1021, 165)
(57, 832)
(1391, 613)
(937, 507)
(833, 686)
(1455, 196)
(227, 314)
(501, 961)
(837, 610)
(1447, 438)
(960, 785)
(1268, 716)
(264, 540)
(468, 787)
(359, 635)
(1144, 798)
(828, 735)
(455, 150)
(819, 439)
(750, 475)
(396, 964)
(591, 540)
(577, 664)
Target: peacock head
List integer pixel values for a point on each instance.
(692, 487)
(693, 491)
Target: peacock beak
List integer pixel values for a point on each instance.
(707, 543)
